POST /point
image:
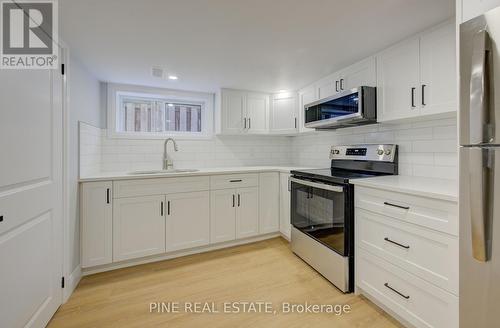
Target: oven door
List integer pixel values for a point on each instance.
(319, 211)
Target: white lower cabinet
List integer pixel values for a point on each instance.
(234, 214)
(222, 215)
(285, 226)
(247, 212)
(96, 223)
(269, 202)
(407, 255)
(138, 227)
(187, 220)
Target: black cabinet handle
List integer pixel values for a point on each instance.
(413, 97)
(239, 202)
(295, 122)
(337, 86)
(423, 94)
(397, 292)
(341, 84)
(398, 206)
(168, 208)
(1, 218)
(107, 196)
(238, 180)
(396, 243)
(245, 123)
(249, 123)
(161, 209)
(233, 200)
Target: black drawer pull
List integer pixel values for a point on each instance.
(396, 243)
(397, 292)
(398, 206)
(1, 218)
(107, 196)
(239, 180)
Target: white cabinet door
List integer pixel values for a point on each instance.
(187, 220)
(306, 95)
(285, 226)
(438, 71)
(96, 222)
(138, 227)
(474, 8)
(328, 86)
(398, 81)
(284, 113)
(363, 73)
(257, 112)
(247, 212)
(222, 215)
(269, 202)
(233, 110)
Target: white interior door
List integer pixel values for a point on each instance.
(30, 196)
(188, 220)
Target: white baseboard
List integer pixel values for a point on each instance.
(162, 257)
(71, 282)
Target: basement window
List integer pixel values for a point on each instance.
(153, 115)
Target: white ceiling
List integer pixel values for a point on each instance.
(263, 45)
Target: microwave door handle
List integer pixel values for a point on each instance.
(481, 164)
(478, 111)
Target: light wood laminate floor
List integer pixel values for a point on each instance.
(263, 271)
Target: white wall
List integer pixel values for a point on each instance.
(84, 105)
(426, 148)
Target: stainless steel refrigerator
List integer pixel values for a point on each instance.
(479, 134)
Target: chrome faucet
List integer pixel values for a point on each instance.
(168, 164)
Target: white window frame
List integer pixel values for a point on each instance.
(206, 100)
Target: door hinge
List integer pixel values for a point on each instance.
(62, 69)
(62, 282)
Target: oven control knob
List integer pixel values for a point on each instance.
(387, 152)
(336, 152)
(380, 152)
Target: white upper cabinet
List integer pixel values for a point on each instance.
(96, 223)
(363, 73)
(328, 86)
(306, 96)
(474, 8)
(418, 76)
(244, 112)
(138, 227)
(398, 80)
(438, 72)
(187, 220)
(284, 113)
(234, 109)
(257, 117)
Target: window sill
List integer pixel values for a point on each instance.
(149, 136)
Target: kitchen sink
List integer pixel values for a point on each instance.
(162, 171)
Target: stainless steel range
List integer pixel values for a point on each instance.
(322, 208)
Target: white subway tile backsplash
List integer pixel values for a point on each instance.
(426, 148)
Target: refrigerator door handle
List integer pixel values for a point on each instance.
(481, 163)
(478, 114)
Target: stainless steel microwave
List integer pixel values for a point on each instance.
(353, 107)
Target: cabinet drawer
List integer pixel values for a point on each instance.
(428, 212)
(413, 299)
(161, 186)
(430, 255)
(227, 181)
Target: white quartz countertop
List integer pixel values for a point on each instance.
(427, 187)
(101, 176)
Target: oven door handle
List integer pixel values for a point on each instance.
(317, 185)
